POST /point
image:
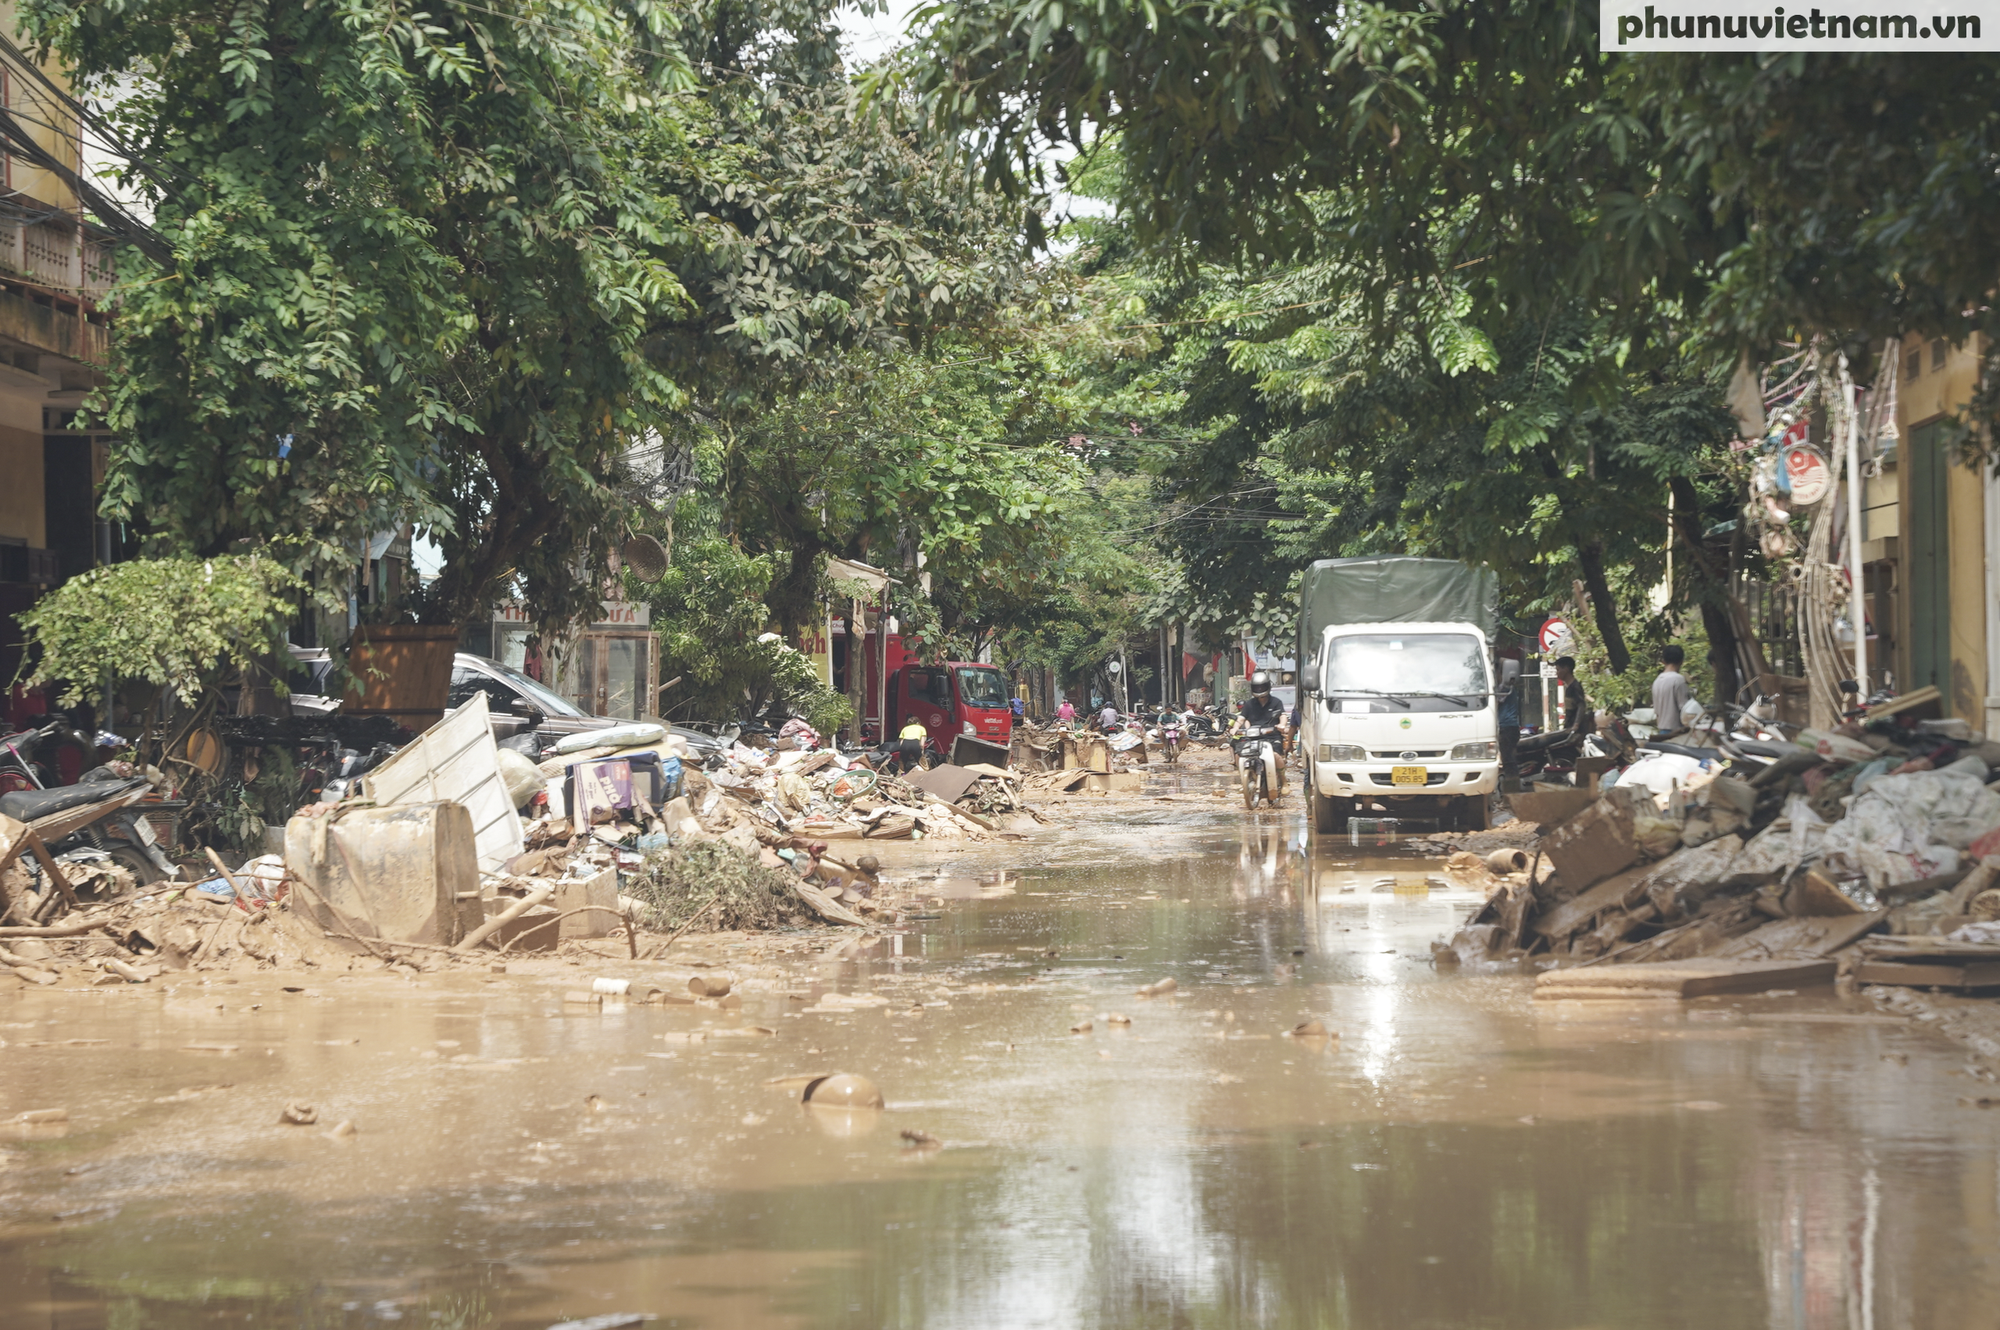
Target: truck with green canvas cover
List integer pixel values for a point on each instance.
(1397, 716)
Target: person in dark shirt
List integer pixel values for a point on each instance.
(1509, 708)
(1577, 716)
(1265, 712)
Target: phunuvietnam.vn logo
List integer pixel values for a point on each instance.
(1832, 25)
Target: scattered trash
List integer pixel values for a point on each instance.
(1081, 1027)
(342, 1130)
(921, 1140)
(298, 1114)
(710, 985)
(36, 1117)
(1160, 989)
(1117, 1018)
(609, 1321)
(1309, 1030)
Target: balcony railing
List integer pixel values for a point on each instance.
(56, 254)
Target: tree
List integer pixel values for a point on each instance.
(444, 267)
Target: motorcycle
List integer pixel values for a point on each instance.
(1170, 742)
(99, 815)
(1257, 761)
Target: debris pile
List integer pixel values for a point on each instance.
(1758, 871)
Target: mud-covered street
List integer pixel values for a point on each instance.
(1452, 1153)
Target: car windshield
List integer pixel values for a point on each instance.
(540, 694)
(1405, 664)
(982, 687)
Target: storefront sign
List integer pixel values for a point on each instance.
(617, 614)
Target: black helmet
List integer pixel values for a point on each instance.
(1260, 683)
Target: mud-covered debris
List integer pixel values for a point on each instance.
(843, 1090)
(1309, 1030)
(608, 1321)
(1160, 989)
(298, 1113)
(711, 985)
(36, 1117)
(921, 1140)
(584, 999)
(1117, 1018)
(343, 1129)
(1082, 1027)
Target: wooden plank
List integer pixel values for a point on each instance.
(1575, 913)
(1683, 979)
(1911, 948)
(1931, 974)
(1808, 937)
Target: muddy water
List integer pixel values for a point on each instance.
(1458, 1156)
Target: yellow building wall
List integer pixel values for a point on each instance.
(21, 511)
(1932, 393)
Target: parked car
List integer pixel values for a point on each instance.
(516, 703)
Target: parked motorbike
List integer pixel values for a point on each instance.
(101, 815)
(1257, 765)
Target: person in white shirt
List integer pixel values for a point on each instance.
(1670, 692)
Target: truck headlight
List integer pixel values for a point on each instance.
(1486, 750)
(970, 728)
(1342, 753)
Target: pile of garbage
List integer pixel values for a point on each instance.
(456, 847)
(1849, 846)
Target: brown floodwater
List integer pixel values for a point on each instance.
(1457, 1156)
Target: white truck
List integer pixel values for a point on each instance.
(1397, 708)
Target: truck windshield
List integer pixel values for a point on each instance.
(1385, 665)
(982, 687)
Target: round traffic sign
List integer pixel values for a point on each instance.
(1809, 474)
(1556, 636)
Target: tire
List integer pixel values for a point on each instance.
(1326, 813)
(144, 871)
(1473, 813)
(1250, 775)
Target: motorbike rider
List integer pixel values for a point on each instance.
(1262, 713)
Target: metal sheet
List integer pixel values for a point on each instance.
(456, 761)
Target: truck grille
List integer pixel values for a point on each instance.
(1406, 754)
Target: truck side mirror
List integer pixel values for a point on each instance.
(1309, 679)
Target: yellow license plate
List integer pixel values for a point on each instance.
(1409, 775)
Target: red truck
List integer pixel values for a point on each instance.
(953, 698)
(950, 698)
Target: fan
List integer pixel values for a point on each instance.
(646, 557)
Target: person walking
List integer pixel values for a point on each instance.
(1671, 693)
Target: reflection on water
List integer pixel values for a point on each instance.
(1458, 1156)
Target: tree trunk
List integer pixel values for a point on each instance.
(1590, 554)
(1711, 579)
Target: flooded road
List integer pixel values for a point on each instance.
(1456, 1156)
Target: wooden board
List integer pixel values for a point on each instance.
(1573, 914)
(1808, 937)
(1550, 808)
(1961, 976)
(1681, 979)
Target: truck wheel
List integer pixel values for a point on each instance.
(1473, 814)
(1326, 813)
